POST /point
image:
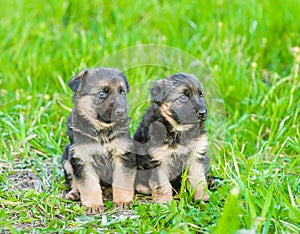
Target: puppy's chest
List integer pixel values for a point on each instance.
(173, 140)
(176, 151)
(96, 151)
(166, 153)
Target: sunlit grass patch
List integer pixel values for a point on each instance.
(251, 49)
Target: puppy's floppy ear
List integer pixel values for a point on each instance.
(125, 81)
(157, 91)
(76, 81)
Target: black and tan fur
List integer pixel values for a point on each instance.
(99, 152)
(172, 137)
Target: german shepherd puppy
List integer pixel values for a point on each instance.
(172, 137)
(99, 152)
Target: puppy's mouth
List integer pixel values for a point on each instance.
(102, 119)
(194, 119)
(111, 119)
(202, 118)
(191, 122)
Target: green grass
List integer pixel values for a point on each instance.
(252, 51)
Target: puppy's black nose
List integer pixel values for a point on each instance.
(120, 111)
(202, 112)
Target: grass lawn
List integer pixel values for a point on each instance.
(251, 49)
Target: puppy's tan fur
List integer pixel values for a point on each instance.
(99, 153)
(172, 137)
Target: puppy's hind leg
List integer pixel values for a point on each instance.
(73, 194)
(68, 170)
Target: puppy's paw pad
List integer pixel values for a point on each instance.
(94, 209)
(73, 195)
(206, 198)
(162, 201)
(123, 204)
(203, 197)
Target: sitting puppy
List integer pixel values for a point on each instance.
(172, 137)
(99, 152)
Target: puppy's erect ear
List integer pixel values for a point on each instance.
(157, 91)
(126, 81)
(76, 81)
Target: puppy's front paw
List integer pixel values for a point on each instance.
(123, 204)
(122, 197)
(73, 195)
(163, 199)
(201, 195)
(160, 197)
(92, 200)
(162, 194)
(94, 208)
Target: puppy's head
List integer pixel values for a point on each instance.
(180, 99)
(100, 95)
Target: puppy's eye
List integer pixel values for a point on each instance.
(201, 95)
(102, 94)
(183, 98)
(123, 92)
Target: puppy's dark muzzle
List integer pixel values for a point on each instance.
(202, 114)
(120, 113)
